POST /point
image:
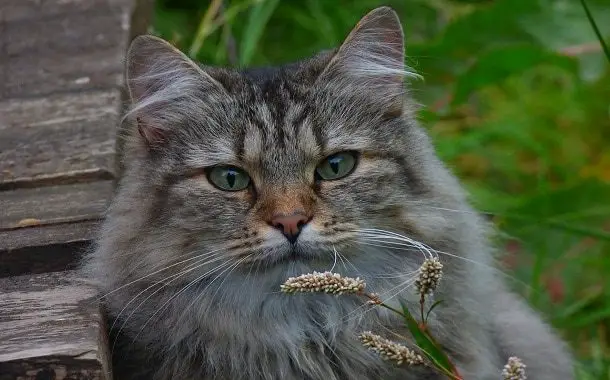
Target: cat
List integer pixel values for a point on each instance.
(236, 180)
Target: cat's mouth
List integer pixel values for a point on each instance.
(299, 253)
(296, 253)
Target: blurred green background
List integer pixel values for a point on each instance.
(516, 95)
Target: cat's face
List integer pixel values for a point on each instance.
(284, 174)
(272, 167)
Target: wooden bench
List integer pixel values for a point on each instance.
(61, 94)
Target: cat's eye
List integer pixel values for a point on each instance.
(336, 166)
(228, 178)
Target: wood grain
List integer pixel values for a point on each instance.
(44, 249)
(28, 10)
(62, 45)
(28, 208)
(50, 326)
(28, 76)
(48, 228)
(62, 133)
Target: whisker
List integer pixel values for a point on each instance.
(412, 277)
(390, 244)
(197, 264)
(158, 290)
(184, 288)
(157, 271)
(335, 261)
(372, 232)
(392, 247)
(222, 282)
(349, 262)
(407, 243)
(230, 267)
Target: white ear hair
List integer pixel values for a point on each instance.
(372, 55)
(164, 86)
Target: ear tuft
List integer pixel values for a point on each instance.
(163, 86)
(153, 136)
(372, 56)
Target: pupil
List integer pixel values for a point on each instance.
(231, 178)
(334, 164)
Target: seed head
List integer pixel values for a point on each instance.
(389, 350)
(374, 299)
(327, 282)
(514, 369)
(430, 273)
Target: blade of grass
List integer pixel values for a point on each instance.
(578, 306)
(204, 27)
(596, 29)
(577, 230)
(255, 25)
(429, 346)
(590, 318)
(434, 305)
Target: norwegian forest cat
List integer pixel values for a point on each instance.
(236, 180)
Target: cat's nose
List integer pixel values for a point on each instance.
(290, 225)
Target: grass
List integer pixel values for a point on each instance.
(516, 99)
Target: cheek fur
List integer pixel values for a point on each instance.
(198, 206)
(375, 188)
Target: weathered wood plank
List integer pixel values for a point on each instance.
(68, 33)
(59, 134)
(50, 46)
(61, 64)
(42, 249)
(28, 76)
(47, 228)
(51, 328)
(26, 208)
(27, 10)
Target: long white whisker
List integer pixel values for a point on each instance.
(192, 266)
(157, 271)
(343, 257)
(206, 262)
(356, 313)
(372, 232)
(335, 261)
(184, 288)
(389, 244)
(235, 265)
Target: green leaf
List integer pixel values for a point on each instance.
(428, 345)
(598, 34)
(498, 64)
(434, 305)
(493, 25)
(255, 25)
(578, 307)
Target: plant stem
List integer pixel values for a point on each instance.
(229, 39)
(596, 29)
(422, 302)
(377, 301)
(204, 27)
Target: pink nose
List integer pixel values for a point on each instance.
(290, 225)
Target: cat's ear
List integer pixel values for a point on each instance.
(163, 83)
(371, 57)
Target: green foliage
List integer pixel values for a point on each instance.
(516, 99)
(428, 345)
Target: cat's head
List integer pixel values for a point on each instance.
(277, 167)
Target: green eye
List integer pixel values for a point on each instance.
(228, 178)
(336, 166)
